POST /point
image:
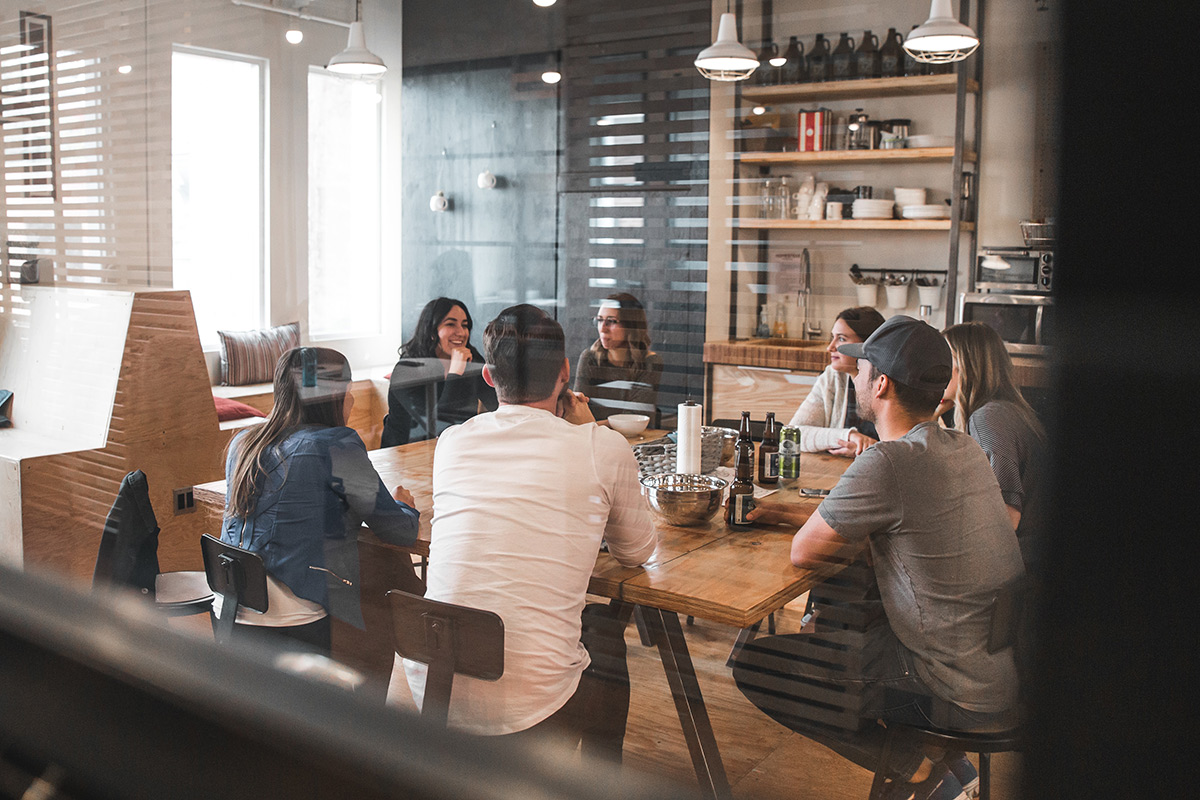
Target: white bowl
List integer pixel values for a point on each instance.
(930, 140)
(909, 197)
(629, 424)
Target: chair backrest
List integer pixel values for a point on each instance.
(128, 554)
(237, 577)
(450, 639)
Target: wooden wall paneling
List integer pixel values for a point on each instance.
(163, 422)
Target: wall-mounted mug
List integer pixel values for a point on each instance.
(439, 202)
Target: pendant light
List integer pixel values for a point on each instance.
(356, 59)
(942, 39)
(727, 59)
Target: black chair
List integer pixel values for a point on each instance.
(237, 577)
(451, 640)
(1008, 623)
(128, 554)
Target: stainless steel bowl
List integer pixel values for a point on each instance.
(728, 440)
(683, 499)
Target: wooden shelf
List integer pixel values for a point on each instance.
(916, 154)
(848, 90)
(852, 224)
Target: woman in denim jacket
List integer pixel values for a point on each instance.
(299, 487)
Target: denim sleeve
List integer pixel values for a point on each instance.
(365, 496)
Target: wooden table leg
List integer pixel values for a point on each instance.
(667, 633)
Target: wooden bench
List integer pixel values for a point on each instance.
(369, 387)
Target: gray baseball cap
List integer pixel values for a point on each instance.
(906, 350)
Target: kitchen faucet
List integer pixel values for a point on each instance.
(809, 331)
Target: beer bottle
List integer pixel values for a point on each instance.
(741, 493)
(768, 453)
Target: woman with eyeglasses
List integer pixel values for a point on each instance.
(439, 351)
(298, 488)
(619, 371)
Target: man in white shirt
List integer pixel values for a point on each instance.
(522, 498)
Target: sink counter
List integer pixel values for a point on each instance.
(777, 353)
(811, 356)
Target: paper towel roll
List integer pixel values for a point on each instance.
(687, 446)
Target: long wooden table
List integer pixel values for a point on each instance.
(708, 571)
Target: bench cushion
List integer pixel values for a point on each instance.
(230, 409)
(251, 356)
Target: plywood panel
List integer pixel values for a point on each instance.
(757, 390)
(163, 422)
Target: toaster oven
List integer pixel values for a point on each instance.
(1014, 269)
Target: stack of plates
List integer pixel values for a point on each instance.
(925, 212)
(866, 208)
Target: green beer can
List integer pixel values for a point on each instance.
(789, 453)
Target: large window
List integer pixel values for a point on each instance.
(343, 206)
(219, 195)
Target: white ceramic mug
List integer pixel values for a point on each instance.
(833, 210)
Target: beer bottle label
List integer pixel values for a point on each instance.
(773, 465)
(742, 504)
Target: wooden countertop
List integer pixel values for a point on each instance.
(811, 356)
(773, 353)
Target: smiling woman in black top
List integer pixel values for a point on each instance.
(443, 333)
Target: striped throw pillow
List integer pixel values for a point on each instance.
(251, 356)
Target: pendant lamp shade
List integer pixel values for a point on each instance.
(942, 39)
(727, 59)
(356, 59)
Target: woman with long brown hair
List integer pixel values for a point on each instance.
(441, 343)
(990, 408)
(828, 418)
(298, 488)
(619, 372)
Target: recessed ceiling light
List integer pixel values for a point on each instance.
(294, 36)
(544, 3)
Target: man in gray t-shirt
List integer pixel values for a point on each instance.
(925, 505)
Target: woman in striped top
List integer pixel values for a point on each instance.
(988, 405)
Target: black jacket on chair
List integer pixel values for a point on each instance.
(129, 547)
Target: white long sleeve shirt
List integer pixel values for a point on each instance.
(821, 418)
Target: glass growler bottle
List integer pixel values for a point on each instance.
(795, 68)
(766, 74)
(911, 65)
(891, 55)
(842, 60)
(818, 60)
(741, 493)
(866, 58)
(768, 453)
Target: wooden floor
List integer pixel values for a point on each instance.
(762, 758)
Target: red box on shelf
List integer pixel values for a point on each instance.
(815, 129)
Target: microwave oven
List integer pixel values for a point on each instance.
(1014, 269)
(1024, 321)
